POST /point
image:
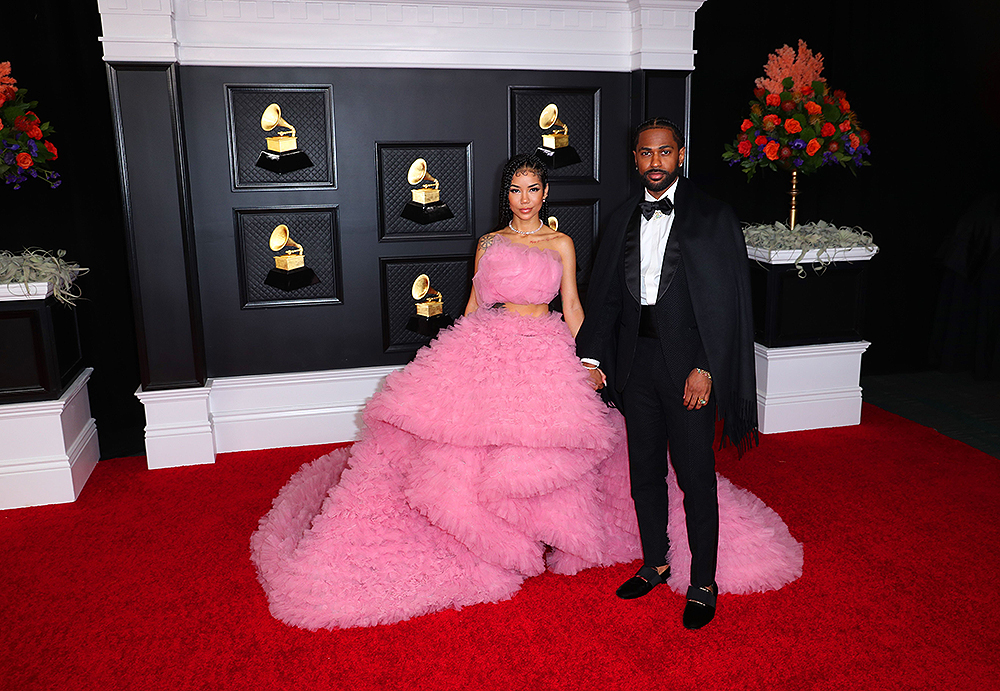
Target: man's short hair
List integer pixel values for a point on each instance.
(655, 124)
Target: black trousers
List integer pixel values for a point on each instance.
(655, 417)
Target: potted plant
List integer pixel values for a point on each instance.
(807, 324)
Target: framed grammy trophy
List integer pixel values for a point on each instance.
(560, 125)
(424, 190)
(420, 295)
(288, 255)
(281, 136)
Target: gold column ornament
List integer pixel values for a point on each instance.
(794, 193)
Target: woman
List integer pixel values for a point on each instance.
(486, 460)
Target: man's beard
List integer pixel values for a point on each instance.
(667, 181)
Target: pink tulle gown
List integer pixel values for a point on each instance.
(483, 462)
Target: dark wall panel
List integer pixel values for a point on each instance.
(369, 105)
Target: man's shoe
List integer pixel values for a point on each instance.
(700, 607)
(645, 579)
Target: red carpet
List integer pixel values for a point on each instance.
(145, 583)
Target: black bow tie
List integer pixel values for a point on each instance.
(664, 205)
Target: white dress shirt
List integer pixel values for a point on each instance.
(653, 235)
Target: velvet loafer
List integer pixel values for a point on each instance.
(700, 607)
(644, 580)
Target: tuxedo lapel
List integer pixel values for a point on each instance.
(633, 267)
(672, 252)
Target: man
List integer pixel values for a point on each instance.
(669, 329)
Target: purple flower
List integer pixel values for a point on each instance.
(8, 158)
(798, 162)
(799, 144)
(32, 148)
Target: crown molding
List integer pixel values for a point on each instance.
(605, 35)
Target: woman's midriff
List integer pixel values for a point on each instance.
(527, 310)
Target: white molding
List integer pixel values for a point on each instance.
(275, 410)
(832, 254)
(49, 450)
(189, 426)
(24, 291)
(603, 35)
(808, 387)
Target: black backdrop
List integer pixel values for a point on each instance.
(923, 84)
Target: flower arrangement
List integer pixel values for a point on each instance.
(39, 266)
(796, 123)
(25, 151)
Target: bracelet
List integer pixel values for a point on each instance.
(587, 366)
(703, 373)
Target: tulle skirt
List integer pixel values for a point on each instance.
(483, 462)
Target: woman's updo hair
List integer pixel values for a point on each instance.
(521, 163)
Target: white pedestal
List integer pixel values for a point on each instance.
(48, 448)
(178, 428)
(808, 387)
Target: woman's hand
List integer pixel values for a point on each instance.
(597, 378)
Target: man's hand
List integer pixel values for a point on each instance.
(597, 378)
(697, 389)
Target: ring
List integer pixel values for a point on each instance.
(702, 401)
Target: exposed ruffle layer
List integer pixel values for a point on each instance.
(485, 461)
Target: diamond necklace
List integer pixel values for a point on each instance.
(528, 232)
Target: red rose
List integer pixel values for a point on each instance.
(773, 100)
(812, 147)
(761, 140)
(844, 105)
(51, 149)
(759, 93)
(1, 121)
(827, 130)
(834, 147)
(788, 106)
(21, 123)
(792, 126)
(24, 160)
(744, 148)
(771, 150)
(746, 125)
(35, 132)
(864, 136)
(813, 108)
(845, 125)
(855, 141)
(807, 91)
(785, 152)
(771, 121)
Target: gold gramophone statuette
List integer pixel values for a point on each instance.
(283, 140)
(292, 258)
(557, 138)
(430, 192)
(431, 304)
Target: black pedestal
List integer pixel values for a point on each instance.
(429, 326)
(41, 350)
(291, 280)
(825, 307)
(558, 158)
(426, 213)
(284, 162)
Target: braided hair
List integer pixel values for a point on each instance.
(658, 124)
(520, 163)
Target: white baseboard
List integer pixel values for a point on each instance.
(49, 448)
(189, 426)
(808, 387)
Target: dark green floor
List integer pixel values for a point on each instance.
(954, 404)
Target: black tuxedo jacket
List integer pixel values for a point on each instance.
(702, 312)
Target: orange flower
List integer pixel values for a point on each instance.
(771, 150)
(827, 130)
(24, 160)
(761, 140)
(844, 105)
(845, 125)
(792, 126)
(773, 100)
(35, 132)
(813, 108)
(744, 148)
(771, 121)
(812, 147)
(746, 125)
(855, 141)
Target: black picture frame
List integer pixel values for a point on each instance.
(451, 275)
(450, 163)
(579, 109)
(311, 113)
(316, 228)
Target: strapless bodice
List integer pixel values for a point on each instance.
(518, 274)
